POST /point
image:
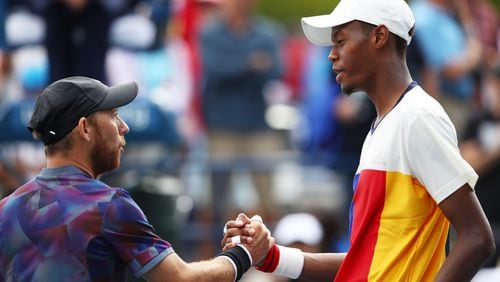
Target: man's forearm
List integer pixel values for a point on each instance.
(321, 266)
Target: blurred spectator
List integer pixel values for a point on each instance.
(9, 89)
(192, 18)
(295, 46)
(162, 71)
(300, 230)
(3, 43)
(335, 125)
(23, 74)
(28, 72)
(452, 52)
(485, 17)
(19, 76)
(77, 32)
(8, 182)
(333, 128)
(296, 230)
(76, 38)
(481, 148)
(240, 54)
(159, 13)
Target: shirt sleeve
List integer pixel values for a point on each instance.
(125, 226)
(434, 156)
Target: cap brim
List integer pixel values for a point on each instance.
(318, 29)
(119, 96)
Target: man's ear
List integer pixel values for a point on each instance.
(84, 129)
(381, 36)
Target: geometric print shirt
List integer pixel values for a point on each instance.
(66, 226)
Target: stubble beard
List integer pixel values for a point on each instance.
(104, 157)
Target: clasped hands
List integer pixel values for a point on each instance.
(251, 233)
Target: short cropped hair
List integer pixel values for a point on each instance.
(61, 146)
(66, 143)
(400, 43)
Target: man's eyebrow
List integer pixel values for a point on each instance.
(335, 32)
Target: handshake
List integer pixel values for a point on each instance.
(247, 242)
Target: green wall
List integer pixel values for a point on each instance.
(290, 11)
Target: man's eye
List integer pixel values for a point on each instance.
(338, 43)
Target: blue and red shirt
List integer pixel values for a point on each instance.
(66, 226)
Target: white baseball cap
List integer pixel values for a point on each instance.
(396, 15)
(298, 227)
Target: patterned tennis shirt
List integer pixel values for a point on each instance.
(66, 226)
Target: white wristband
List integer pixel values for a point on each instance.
(291, 262)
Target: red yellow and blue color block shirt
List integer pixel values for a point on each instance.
(66, 226)
(409, 163)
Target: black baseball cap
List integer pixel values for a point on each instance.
(61, 105)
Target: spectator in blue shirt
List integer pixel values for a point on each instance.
(240, 54)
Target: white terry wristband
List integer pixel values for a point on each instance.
(291, 262)
(283, 261)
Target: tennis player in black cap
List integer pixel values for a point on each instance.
(66, 225)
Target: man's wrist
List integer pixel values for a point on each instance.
(240, 259)
(283, 261)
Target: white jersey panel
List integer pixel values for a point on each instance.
(417, 138)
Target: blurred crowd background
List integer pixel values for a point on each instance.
(237, 111)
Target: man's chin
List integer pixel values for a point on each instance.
(347, 90)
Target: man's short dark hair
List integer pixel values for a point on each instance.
(61, 146)
(400, 43)
(401, 46)
(67, 142)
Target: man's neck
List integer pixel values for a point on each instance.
(65, 160)
(385, 99)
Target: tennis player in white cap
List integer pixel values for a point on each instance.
(412, 182)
